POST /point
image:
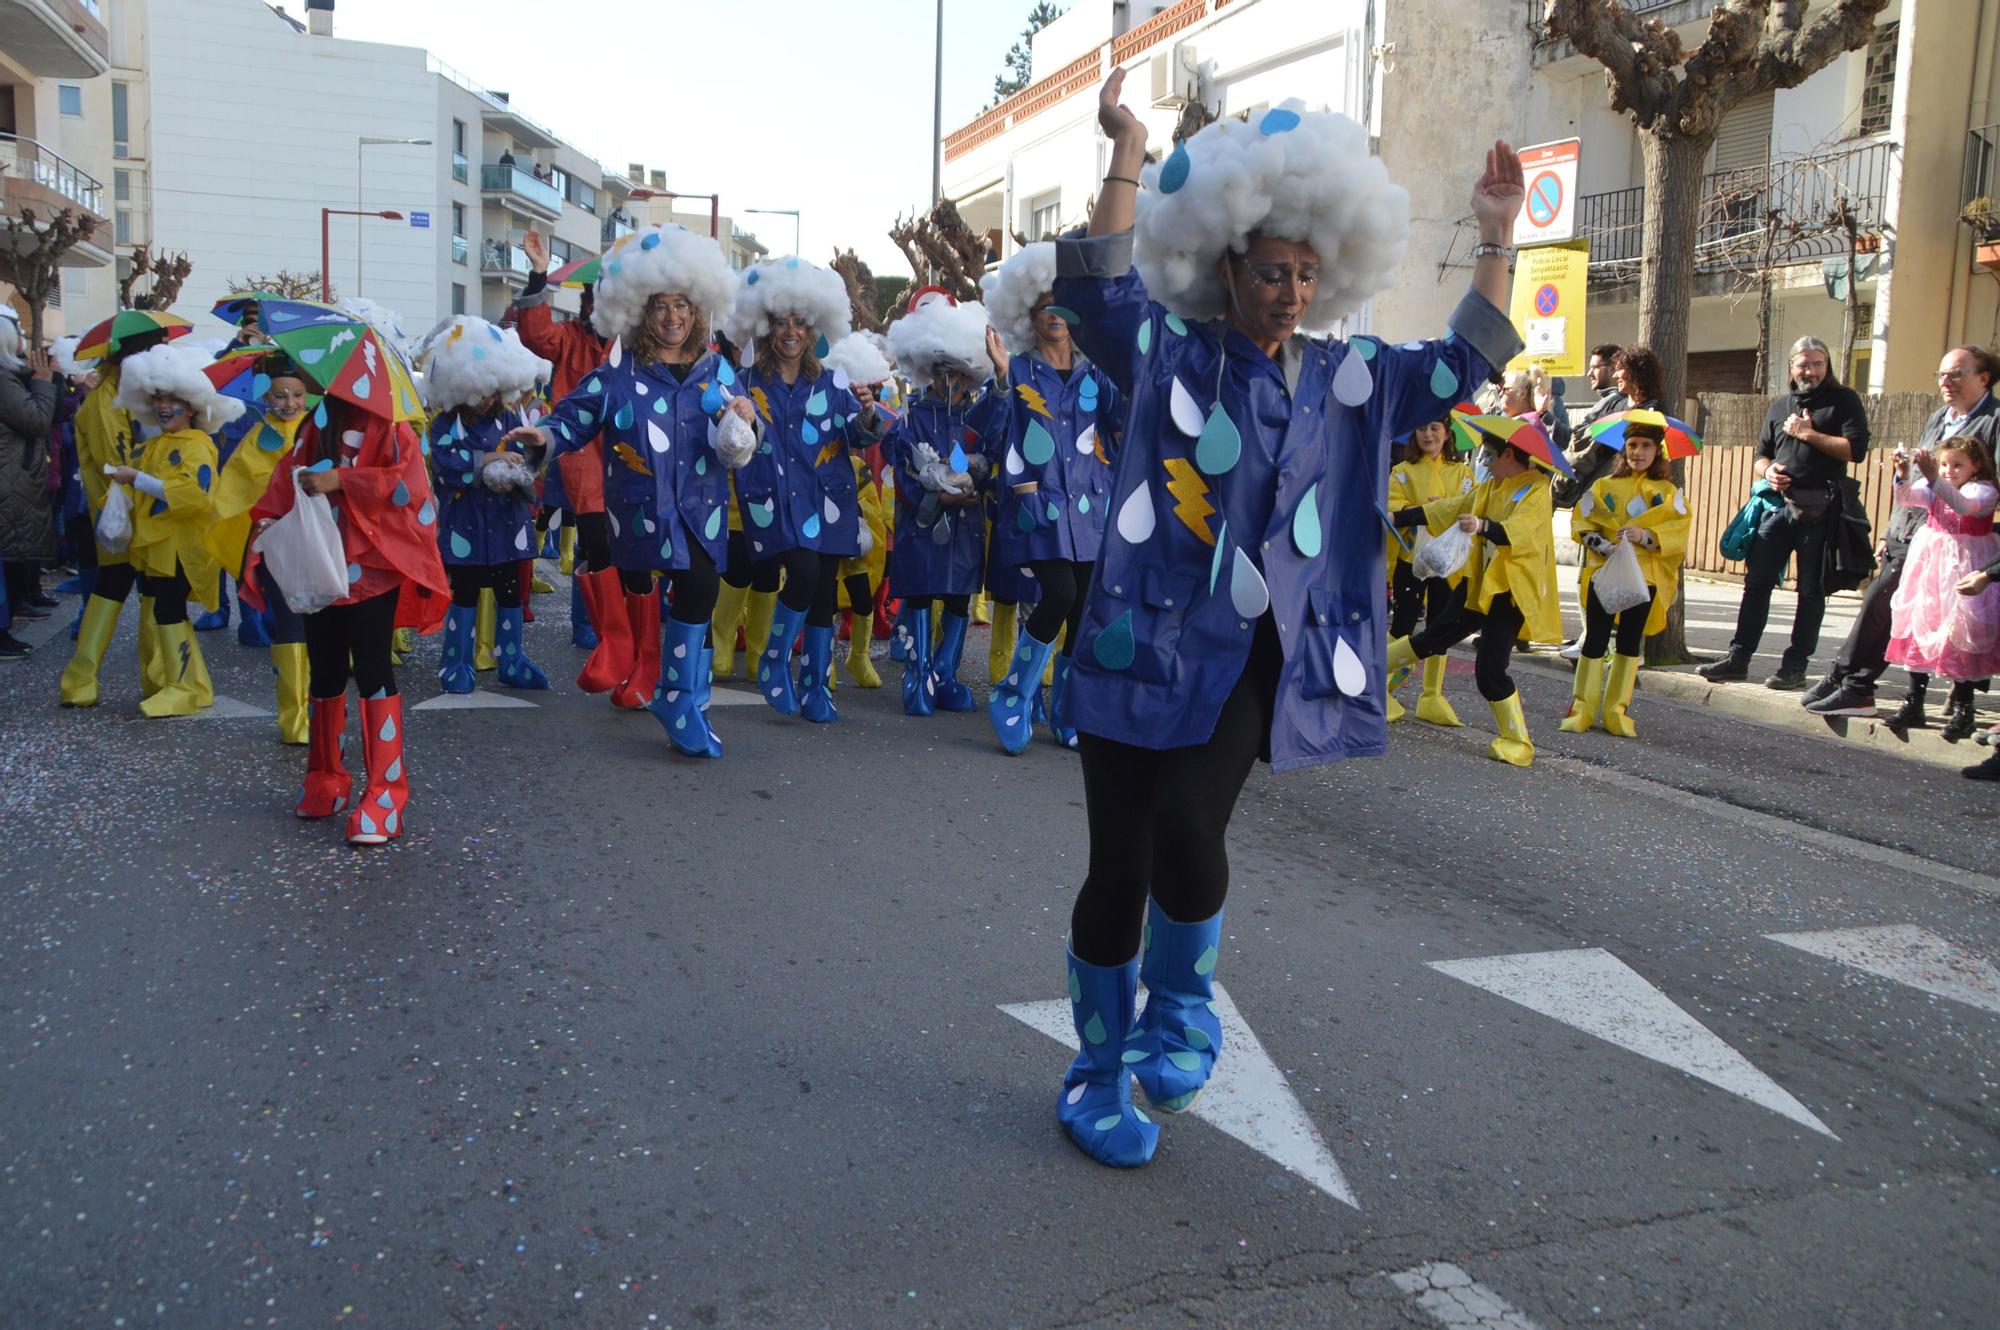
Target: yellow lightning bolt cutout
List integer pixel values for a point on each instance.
(1034, 400)
(763, 404)
(826, 454)
(1190, 493)
(631, 459)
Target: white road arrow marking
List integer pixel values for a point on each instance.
(1599, 994)
(1908, 955)
(732, 697)
(228, 708)
(477, 700)
(1454, 1299)
(1247, 1097)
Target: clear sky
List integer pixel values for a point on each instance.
(824, 107)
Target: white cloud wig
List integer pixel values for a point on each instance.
(384, 321)
(1012, 290)
(862, 360)
(470, 360)
(789, 285)
(938, 332)
(169, 370)
(660, 260)
(1290, 173)
(64, 355)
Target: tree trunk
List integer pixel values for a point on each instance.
(1666, 294)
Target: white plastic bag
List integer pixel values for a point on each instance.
(1443, 555)
(114, 524)
(734, 439)
(1619, 585)
(305, 554)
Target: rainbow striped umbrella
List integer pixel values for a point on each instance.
(1526, 435)
(110, 336)
(1681, 440)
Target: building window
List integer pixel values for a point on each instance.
(1045, 218)
(1878, 82)
(121, 120)
(458, 219)
(461, 165)
(582, 195)
(560, 251)
(458, 297)
(69, 99)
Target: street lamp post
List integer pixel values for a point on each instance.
(360, 203)
(326, 242)
(792, 213)
(714, 205)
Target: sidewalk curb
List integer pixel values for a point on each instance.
(1753, 702)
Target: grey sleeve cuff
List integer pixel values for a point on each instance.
(1484, 327)
(528, 300)
(1095, 256)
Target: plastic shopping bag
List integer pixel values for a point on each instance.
(304, 553)
(114, 524)
(1443, 555)
(1619, 585)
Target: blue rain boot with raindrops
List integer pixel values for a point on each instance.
(582, 633)
(1059, 726)
(946, 690)
(1017, 697)
(455, 667)
(677, 702)
(913, 630)
(1096, 1107)
(774, 665)
(815, 701)
(1179, 1033)
(511, 651)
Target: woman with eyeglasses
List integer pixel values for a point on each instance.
(671, 429)
(1052, 433)
(1238, 608)
(797, 496)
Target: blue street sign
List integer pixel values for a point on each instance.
(420, 220)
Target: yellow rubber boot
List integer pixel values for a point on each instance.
(756, 628)
(1402, 658)
(1062, 646)
(1000, 644)
(1433, 708)
(1583, 699)
(187, 689)
(982, 608)
(152, 672)
(401, 643)
(566, 551)
(1512, 745)
(288, 662)
(539, 585)
(859, 667)
(729, 602)
(93, 639)
(1618, 697)
(482, 633)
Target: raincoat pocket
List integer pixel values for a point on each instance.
(1331, 661)
(1155, 609)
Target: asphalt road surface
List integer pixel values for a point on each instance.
(1694, 1031)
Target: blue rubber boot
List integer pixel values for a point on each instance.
(455, 667)
(511, 651)
(913, 630)
(582, 633)
(815, 702)
(217, 618)
(1096, 1107)
(1015, 699)
(253, 627)
(1059, 726)
(1179, 1031)
(704, 679)
(774, 666)
(86, 580)
(950, 694)
(677, 702)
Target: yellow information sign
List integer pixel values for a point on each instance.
(1551, 284)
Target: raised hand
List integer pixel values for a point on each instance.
(996, 351)
(40, 366)
(537, 248)
(1118, 122)
(1499, 194)
(523, 434)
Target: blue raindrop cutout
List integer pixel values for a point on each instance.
(810, 529)
(1175, 173)
(1114, 647)
(1306, 534)
(1278, 120)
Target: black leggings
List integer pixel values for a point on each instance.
(860, 596)
(959, 605)
(284, 626)
(593, 542)
(745, 571)
(1063, 582)
(359, 634)
(168, 594)
(115, 581)
(1430, 599)
(693, 588)
(469, 579)
(1631, 628)
(808, 582)
(1498, 627)
(1159, 817)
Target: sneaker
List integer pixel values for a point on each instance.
(12, 648)
(1727, 670)
(1820, 691)
(1987, 770)
(1786, 681)
(30, 614)
(1845, 700)
(1572, 650)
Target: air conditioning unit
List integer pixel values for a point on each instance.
(1174, 76)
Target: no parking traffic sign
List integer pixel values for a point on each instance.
(1549, 216)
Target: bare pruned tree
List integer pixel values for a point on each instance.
(862, 296)
(168, 273)
(32, 245)
(942, 250)
(284, 282)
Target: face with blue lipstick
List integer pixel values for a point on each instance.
(1051, 329)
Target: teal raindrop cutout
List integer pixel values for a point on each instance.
(1083, 503)
(1220, 445)
(1093, 1029)
(713, 528)
(822, 347)
(1444, 381)
(1145, 337)
(1066, 314)
(1037, 444)
(1024, 517)
(1175, 173)
(1215, 564)
(762, 513)
(461, 548)
(623, 420)
(1176, 325)
(1367, 346)
(816, 404)
(1053, 511)
(1114, 647)
(1306, 533)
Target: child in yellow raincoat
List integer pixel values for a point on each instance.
(1430, 471)
(172, 509)
(1510, 582)
(1638, 504)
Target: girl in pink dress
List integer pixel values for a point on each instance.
(1936, 630)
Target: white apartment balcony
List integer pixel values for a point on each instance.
(56, 38)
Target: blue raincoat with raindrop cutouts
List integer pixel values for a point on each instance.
(1058, 433)
(947, 558)
(477, 526)
(799, 488)
(1247, 486)
(664, 487)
